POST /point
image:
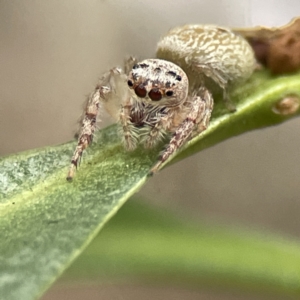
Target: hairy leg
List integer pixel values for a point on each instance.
(103, 93)
(158, 129)
(203, 119)
(220, 78)
(129, 63)
(88, 127)
(198, 117)
(129, 131)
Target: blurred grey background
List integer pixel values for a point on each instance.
(53, 52)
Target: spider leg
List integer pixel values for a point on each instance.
(197, 119)
(129, 63)
(157, 129)
(129, 131)
(204, 118)
(218, 77)
(102, 94)
(119, 104)
(88, 127)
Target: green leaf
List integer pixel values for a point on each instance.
(46, 222)
(149, 244)
(256, 102)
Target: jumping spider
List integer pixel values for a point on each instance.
(168, 94)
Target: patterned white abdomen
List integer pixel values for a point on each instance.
(208, 51)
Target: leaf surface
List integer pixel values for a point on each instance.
(46, 222)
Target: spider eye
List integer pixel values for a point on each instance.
(130, 83)
(169, 93)
(140, 91)
(155, 94)
(178, 77)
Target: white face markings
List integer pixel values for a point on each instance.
(158, 82)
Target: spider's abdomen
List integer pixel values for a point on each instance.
(210, 47)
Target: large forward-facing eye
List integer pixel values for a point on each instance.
(155, 94)
(140, 91)
(130, 83)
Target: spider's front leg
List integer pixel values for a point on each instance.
(129, 131)
(105, 92)
(158, 129)
(196, 120)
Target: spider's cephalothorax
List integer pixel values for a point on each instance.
(149, 100)
(158, 94)
(158, 82)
